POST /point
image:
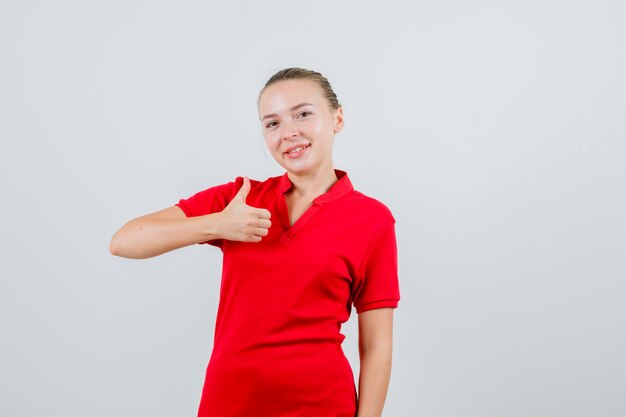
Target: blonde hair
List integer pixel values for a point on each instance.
(295, 73)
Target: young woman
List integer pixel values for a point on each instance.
(299, 250)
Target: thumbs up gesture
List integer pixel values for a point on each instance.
(241, 222)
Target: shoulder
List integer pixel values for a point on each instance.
(363, 215)
(269, 182)
(374, 207)
(259, 189)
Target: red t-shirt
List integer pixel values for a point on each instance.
(277, 343)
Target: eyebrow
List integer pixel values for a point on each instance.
(297, 106)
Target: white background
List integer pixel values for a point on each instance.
(494, 132)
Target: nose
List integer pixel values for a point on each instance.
(289, 131)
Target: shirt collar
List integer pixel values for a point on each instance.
(341, 187)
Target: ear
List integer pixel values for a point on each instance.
(338, 120)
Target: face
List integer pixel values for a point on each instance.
(293, 114)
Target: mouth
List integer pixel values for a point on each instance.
(297, 151)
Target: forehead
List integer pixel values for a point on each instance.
(284, 94)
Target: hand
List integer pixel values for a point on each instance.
(241, 222)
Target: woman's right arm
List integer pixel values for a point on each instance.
(170, 228)
(162, 231)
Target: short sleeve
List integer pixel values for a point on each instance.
(211, 200)
(376, 284)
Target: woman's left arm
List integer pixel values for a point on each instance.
(375, 350)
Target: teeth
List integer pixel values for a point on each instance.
(297, 149)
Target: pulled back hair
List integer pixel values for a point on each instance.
(295, 73)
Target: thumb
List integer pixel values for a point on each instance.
(243, 191)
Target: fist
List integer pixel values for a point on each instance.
(241, 222)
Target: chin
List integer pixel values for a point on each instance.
(293, 167)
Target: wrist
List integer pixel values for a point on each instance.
(211, 226)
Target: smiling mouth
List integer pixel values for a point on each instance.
(296, 150)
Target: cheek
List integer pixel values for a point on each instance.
(272, 141)
(321, 127)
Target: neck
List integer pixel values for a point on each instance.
(312, 184)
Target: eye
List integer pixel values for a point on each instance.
(270, 124)
(305, 112)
